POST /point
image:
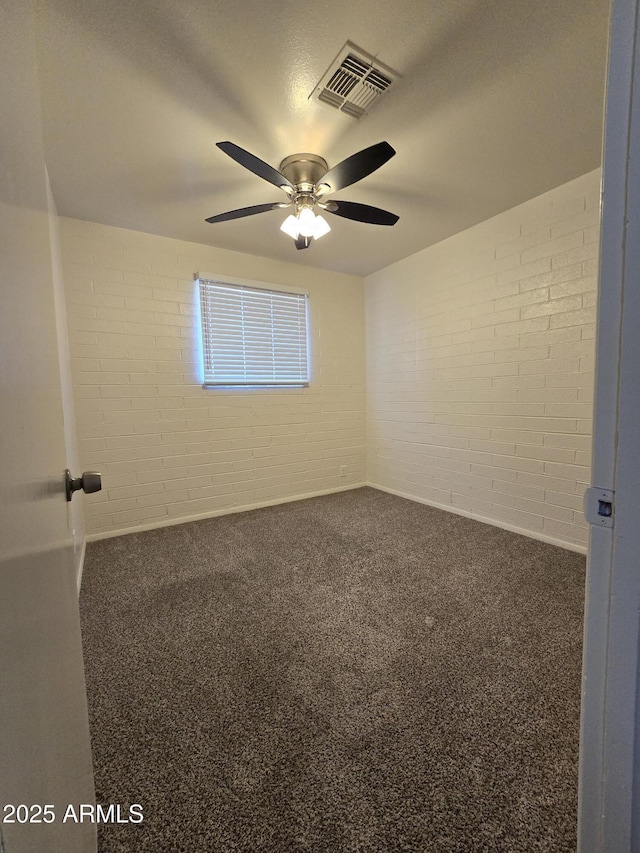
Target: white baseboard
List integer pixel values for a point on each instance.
(170, 522)
(532, 534)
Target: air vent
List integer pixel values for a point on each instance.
(354, 81)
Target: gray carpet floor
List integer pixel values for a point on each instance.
(355, 673)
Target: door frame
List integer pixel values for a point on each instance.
(608, 819)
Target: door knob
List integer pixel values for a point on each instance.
(91, 481)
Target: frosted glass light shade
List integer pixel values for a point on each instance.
(306, 221)
(320, 227)
(290, 226)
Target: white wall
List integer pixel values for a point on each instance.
(480, 356)
(169, 449)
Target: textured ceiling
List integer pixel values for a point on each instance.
(498, 101)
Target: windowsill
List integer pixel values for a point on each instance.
(249, 387)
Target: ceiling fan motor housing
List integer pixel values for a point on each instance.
(304, 170)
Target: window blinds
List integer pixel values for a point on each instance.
(253, 336)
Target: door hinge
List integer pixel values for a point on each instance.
(599, 507)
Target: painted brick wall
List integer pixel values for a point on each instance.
(480, 354)
(169, 449)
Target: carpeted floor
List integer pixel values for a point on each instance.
(350, 673)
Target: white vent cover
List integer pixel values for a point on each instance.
(354, 81)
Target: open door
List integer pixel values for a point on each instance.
(609, 801)
(45, 759)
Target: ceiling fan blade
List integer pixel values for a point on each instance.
(303, 242)
(245, 211)
(254, 164)
(361, 212)
(357, 166)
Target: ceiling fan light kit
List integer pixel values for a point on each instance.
(306, 179)
(305, 223)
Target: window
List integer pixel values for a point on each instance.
(253, 335)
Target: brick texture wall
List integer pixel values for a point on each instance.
(169, 449)
(480, 356)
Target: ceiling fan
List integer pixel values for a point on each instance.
(306, 179)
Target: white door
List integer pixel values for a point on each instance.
(45, 758)
(609, 810)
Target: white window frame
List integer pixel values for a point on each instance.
(206, 347)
